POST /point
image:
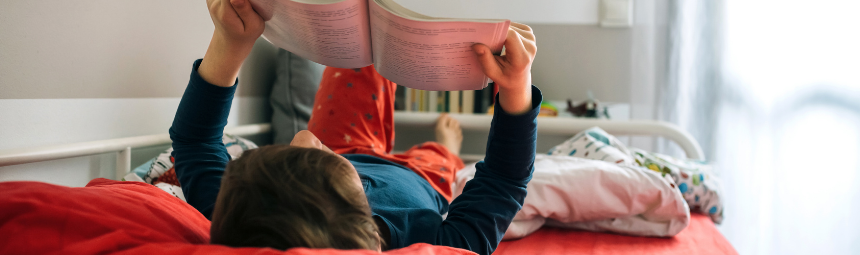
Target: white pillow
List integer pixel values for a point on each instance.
(594, 143)
(595, 195)
(695, 179)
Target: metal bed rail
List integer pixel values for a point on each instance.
(121, 146)
(569, 126)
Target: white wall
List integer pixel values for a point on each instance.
(73, 71)
(99, 48)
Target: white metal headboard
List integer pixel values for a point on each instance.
(555, 126)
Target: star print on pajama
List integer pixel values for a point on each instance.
(354, 114)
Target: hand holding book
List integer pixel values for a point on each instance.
(512, 70)
(405, 47)
(237, 27)
(236, 20)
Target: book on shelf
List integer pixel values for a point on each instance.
(408, 98)
(454, 102)
(421, 101)
(484, 98)
(432, 101)
(447, 103)
(479, 106)
(405, 47)
(440, 101)
(467, 104)
(400, 98)
(468, 101)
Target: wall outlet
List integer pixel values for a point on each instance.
(616, 13)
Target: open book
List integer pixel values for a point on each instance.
(407, 48)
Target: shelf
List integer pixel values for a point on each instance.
(567, 126)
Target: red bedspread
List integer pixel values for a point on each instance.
(137, 218)
(701, 237)
(109, 217)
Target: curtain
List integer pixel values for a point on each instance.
(691, 90)
(771, 90)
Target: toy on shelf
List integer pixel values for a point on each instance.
(547, 109)
(589, 109)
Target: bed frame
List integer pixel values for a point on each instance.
(546, 125)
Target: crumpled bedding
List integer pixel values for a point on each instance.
(695, 179)
(594, 195)
(159, 171)
(593, 182)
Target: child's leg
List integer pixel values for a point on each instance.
(353, 111)
(354, 114)
(433, 162)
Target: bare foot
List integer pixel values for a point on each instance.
(449, 133)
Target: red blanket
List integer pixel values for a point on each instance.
(129, 217)
(700, 237)
(137, 218)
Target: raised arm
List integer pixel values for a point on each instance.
(199, 122)
(237, 27)
(477, 219)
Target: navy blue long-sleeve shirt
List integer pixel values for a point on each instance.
(409, 206)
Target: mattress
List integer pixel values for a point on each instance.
(700, 237)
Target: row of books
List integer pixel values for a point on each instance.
(465, 101)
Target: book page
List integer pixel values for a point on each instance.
(335, 34)
(423, 53)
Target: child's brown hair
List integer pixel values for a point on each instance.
(282, 196)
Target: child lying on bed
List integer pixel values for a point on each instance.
(336, 185)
